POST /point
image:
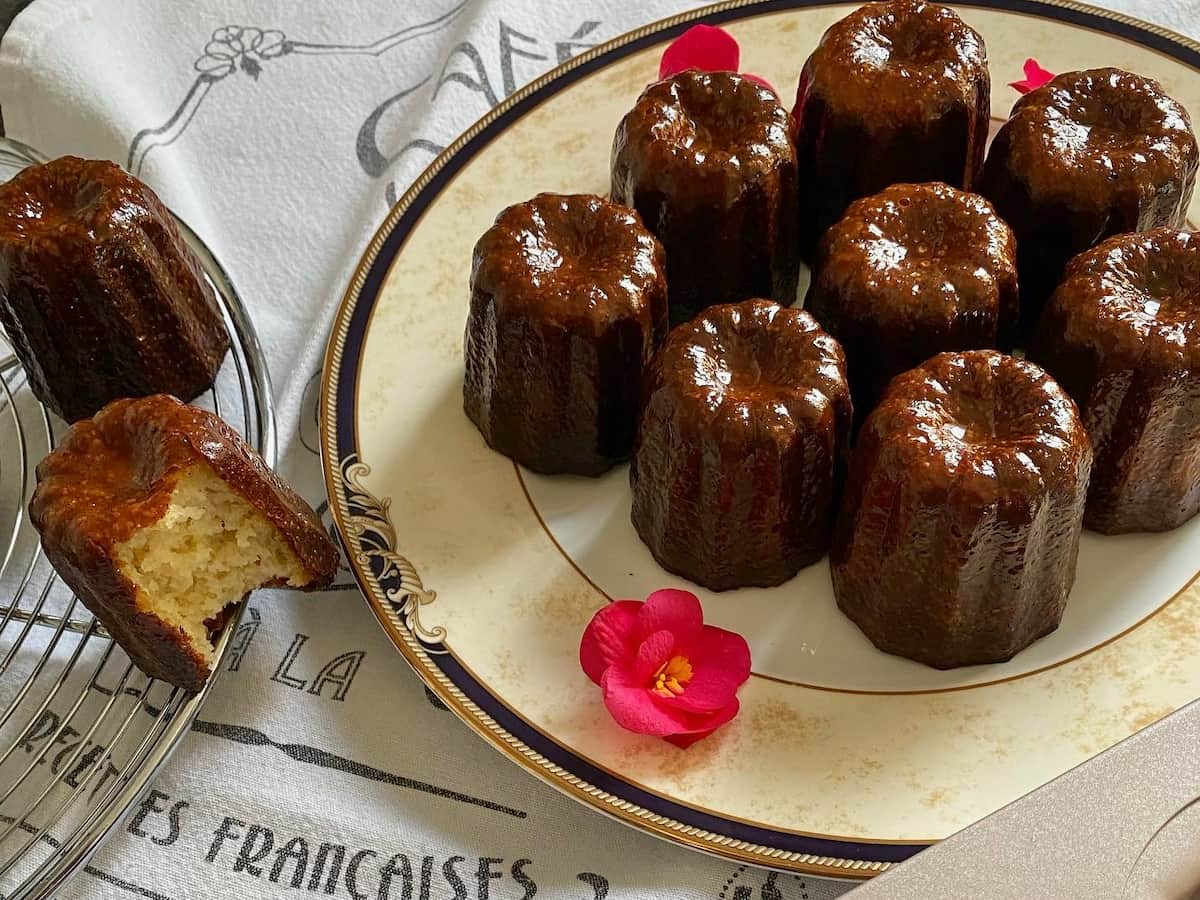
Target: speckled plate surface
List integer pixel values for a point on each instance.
(843, 759)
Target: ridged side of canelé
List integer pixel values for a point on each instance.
(958, 537)
(1122, 335)
(742, 446)
(895, 92)
(568, 303)
(99, 294)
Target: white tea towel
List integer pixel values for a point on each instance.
(282, 132)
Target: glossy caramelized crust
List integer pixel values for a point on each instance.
(100, 296)
(568, 303)
(1122, 335)
(742, 446)
(1089, 155)
(957, 540)
(910, 272)
(114, 475)
(895, 92)
(707, 159)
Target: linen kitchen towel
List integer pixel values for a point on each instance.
(282, 133)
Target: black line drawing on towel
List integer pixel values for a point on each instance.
(597, 883)
(771, 888)
(234, 49)
(309, 426)
(511, 45)
(314, 756)
(243, 636)
(434, 700)
(343, 580)
(113, 880)
(245, 49)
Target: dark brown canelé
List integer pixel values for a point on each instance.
(895, 92)
(568, 303)
(99, 294)
(958, 536)
(159, 516)
(910, 272)
(742, 445)
(707, 159)
(1122, 336)
(1087, 156)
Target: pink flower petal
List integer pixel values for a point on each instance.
(1035, 77)
(700, 47)
(672, 610)
(720, 665)
(685, 739)
(627, 642)
(651, 654)
(609, 638)
(725, 650)
(632, 706)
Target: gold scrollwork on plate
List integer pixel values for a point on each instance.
(371, 537)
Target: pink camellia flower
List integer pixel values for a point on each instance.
(707, 48)
(662, 670)
(1035, 77)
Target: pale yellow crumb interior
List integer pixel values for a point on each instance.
(208, 550)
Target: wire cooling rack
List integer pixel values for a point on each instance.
(82, 730)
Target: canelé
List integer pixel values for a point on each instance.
(957, 540)
(100, 296)
(159, 516)
(894, 92)
(1087, 156)
(707, 160)
(910, 272)
(1122, 335)
(568, 303)
(742, 446)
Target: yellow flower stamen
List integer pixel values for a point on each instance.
(672, 676)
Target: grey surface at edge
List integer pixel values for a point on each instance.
(1080, 835)
(99, 824)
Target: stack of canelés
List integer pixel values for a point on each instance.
(888, 421)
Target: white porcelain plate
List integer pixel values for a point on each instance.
(843, 759)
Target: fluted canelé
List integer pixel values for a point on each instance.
(568, 303)
(100, 296)
(742, 446)
(1090, 155)
(895, 92)
(915, 270)
(1122, 335)
(957, 540)
(707, 160)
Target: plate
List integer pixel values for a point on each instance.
(844, 760)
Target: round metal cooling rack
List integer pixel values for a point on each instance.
(82, 731)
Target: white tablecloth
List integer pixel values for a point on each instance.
(282, 132)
